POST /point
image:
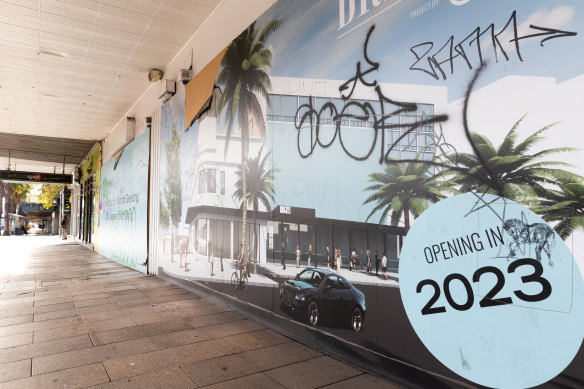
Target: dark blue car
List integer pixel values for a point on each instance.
(324, 296)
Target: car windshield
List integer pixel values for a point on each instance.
(310, 277)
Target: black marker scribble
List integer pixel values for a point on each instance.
(451, 51)
(308, 114)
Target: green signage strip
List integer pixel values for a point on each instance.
(47, 178)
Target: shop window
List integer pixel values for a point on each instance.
(222, 183)
(202, 181)
(211, 180)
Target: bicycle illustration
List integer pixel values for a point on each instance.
(241, 274)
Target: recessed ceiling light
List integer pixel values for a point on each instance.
(53, 52)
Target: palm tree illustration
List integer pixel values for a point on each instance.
(565, 206)
(260, 189)
(401, 189)
(243, 74)
(509, 170)
(173, 188)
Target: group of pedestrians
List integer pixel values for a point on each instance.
(336, 261)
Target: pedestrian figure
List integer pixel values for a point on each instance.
(368, 254)
(64, 224)
(328, 258)
(338, 260)
(297, 256)
(309, 254)
(353, 260)
(384, 266)
(376, 263)
(283, 256)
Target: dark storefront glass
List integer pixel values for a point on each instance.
(359, 243)
(324, 239)
(220, 237)
(307, 237)
(290, 234)
(201, 236)
(376, 243)
(341, 241)
(391, 247)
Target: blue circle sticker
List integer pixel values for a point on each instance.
(492, 291)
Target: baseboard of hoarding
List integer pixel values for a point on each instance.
(392, 369)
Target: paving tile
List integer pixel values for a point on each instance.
(66, 360)
(199, 311)
(173, 378)
(44, 348)
(69, 299)
(14, 370)
(180, 338)
(217, 318)
(156, 300)
(40, 309)
(10, 321)
(212, 371)
(37, 326)
(251, 340)
(140, 331)
(76, 312)
(106, 325)
(103, 316)
(313, 373)
(152, 317)
(254, 381)
(178, 356)
(279, 355)
(88, 291)
(179, 305)
(78, 377)
(15, 340)
(362, 381)
(93, 302)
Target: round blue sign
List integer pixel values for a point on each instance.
(492, 291)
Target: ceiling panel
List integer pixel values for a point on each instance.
(72, 68)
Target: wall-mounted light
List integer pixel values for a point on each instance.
(168, 90)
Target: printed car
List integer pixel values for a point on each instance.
(324, 296)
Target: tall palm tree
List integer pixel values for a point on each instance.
(404, 188)
(243, 73)
(565, 206)
(260, 189)
(173, 188)
(509, 170)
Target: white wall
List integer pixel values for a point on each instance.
(221, 27)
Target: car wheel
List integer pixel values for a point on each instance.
(357, 319)
(313, 313)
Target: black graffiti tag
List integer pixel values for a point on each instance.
(438, 63)
(308, 118)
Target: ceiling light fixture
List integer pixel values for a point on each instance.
(155, 75)
(53, 53)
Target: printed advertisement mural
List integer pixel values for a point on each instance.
(124, 205)
(403, 175)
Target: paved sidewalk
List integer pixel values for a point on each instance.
(72, 318)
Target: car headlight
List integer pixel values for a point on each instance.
(299, 297)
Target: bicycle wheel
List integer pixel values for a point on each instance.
(234, 280)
